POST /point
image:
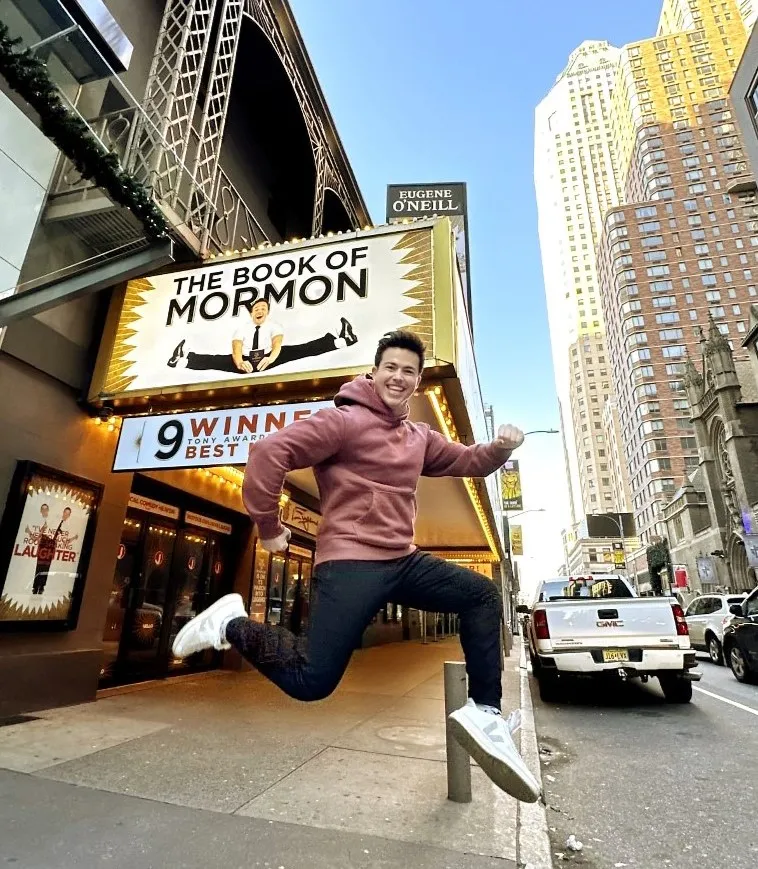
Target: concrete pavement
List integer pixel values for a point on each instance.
(222, 769)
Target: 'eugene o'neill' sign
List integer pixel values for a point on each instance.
(425, 200)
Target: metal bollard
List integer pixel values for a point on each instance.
(458, 761)
(435, 616)
(423, 627)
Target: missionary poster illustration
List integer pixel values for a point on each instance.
(46, 538)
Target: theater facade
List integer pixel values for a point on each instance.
(156, 529)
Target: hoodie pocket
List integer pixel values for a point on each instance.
(388, 521)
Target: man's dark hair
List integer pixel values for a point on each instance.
(258, 301)
(45, 505)
(405, 341)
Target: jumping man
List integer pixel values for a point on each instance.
(368, 457)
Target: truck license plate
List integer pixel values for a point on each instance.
(617, 655)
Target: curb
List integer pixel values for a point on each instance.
(533, 842)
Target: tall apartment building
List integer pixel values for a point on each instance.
(575, 180)
(591, 156)
(680, 15)
(678, 252)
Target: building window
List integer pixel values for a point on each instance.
(678, 528)
(668, 317)
(671, 334)
(676, 351)
(646, 211)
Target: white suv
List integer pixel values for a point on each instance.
(706, 617)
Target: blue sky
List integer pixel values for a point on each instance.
(424, 90)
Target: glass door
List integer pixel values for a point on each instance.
(297, 589)
(162, 579)
(200, 578)
(147, 596)
(275, 590)
(292, 589)
(190, 585)
(126, 563)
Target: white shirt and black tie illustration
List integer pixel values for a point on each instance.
(258, 344)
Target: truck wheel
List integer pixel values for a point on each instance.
(550, 686)
(675, 689)
(714, 650)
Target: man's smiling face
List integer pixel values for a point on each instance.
(397, 377)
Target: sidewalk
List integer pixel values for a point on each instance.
(222, 769)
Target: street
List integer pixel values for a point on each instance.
(642, 783)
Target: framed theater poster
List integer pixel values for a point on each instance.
(46, 538)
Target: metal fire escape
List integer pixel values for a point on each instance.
(174, 149)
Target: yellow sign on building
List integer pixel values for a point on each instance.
(517, 540)
(510, 481)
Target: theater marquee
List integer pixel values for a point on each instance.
(312, 309)
(202, 439)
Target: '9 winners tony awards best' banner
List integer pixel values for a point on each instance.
(202, 438)
(302, 309)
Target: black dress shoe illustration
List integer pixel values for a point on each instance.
(347, 332)
(177, 355)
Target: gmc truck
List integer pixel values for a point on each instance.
(596, 626)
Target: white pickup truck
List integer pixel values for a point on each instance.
(596, 625)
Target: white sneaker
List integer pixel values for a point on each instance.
(488, 739)
(205, 630)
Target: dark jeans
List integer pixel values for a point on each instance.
(225, 362)
(347, 595)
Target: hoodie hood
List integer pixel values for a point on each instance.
(361, 391)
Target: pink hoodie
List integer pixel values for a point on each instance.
(367, 463)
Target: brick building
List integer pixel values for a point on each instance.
(668, 265)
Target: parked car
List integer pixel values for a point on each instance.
(707, 616)
(741, 639)
(596, 626)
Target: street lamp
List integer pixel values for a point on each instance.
(516, 515)
(542, 431)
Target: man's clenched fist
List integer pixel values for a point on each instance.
(277, 544)
(509, 437)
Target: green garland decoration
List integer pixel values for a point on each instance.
(27, 75)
